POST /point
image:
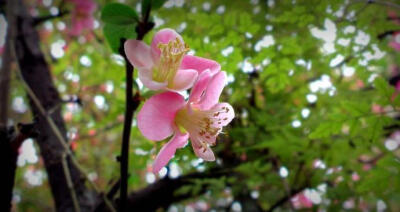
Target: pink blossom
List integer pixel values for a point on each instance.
(355, 177)
(164, 64)
(82, 16)
(201, 118)
(301, 201)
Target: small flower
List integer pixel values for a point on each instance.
(201, 118)
(82, 16)
(164, 64)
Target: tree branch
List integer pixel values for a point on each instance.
(10, 141)
(131, 104)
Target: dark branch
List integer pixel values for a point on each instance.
(132, 102)
(40, 20)
(10, 141)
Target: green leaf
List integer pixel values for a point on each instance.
(118, 14)
(384, 89)
(114, 33)
(325, 130)
(153, 4)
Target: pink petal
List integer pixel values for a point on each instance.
(213, 91)
(226, 115)
(395, 45)
(168, 151)
(184, 79)
(206, 155)
(145, 75)
(200, 86)
(200, 64)
(163, 36)
(138, 54)
(156, 118)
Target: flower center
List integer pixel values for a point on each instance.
(171, 57)
(202, 125)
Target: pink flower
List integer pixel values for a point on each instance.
(395, 43)
(301, 201)
(82, 16)
(201, 118)
(164, 64)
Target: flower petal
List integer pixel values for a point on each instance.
(156, 118)
(225, 116)
(163, 36)
(138, 54)
(213, 91)
(184, 79)
(200, 86)
(200, 64)
(145, 75)
(206, 154)
(168, 150)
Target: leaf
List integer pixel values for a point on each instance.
(153, 4)
(325, 129)
(114, 34)
(119, 14)
(384, 89)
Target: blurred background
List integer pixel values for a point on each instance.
(314, 85)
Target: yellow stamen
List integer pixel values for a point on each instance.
(171, 57)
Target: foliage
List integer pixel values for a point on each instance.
(298, 107)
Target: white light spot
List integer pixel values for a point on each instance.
(247, 67)
(150, 177)
(337, 60)
(348, 71)
(158, 22)
(343, 42)
(93, 176)
(118, 59)
(57, 49)
(283, 172)
(349, 29)
(47, 3)
(391, 144)
(34, 178)
(221, 9)
(206, 39)
(100, 101)
(174, 170)
(362, 38)
(206, 6)
(163, 172)
(109, 86)
(61, 25)
(296, 123)
(18, 105)
(265, 42)
(236, 206)
(313, 195)
(255, 194)
(54, 11)
(85, 61)
(27, 153)
(381, 206)
(305, 112)
(311, 98)
(182, 27)
(227, 51)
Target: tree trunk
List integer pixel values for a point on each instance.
(36, 73)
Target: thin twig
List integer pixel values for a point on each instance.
(69, 182)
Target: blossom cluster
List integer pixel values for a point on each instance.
(164, 66)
